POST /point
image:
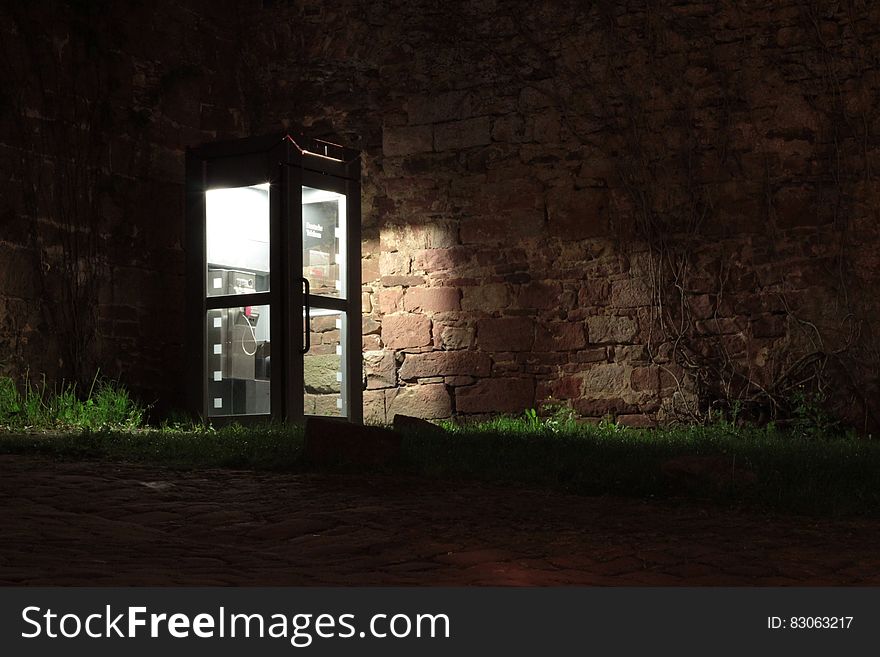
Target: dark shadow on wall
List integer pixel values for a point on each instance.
(99, 103)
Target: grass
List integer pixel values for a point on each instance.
(265, 447)
(33, 406)
(793, 471)
(822, 476)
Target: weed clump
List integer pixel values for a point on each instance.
(35, 407)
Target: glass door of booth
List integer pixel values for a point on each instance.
(238, 316)
(325, 317)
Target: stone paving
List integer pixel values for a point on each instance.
(90, 523)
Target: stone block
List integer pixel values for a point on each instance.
(409, 238)
(319, 373)
(456, 337)
(607, 329)
(380, 369)
(544, 363)
(431, 299)
(369, 325)
(330, 442)
(645, 379)
(394, 264)
(445, 363)
(390, 300)
(606, 380)
(463, 134)
(672, 377)
(374, 407)
(401, 280)
(369, 269)
(567, 387)
(506, 334)
(428, 402)
(500, 228)
(539, 295)
(506, 196)
(406, 140)
(546, 126)
(437, 260)
(124, 280)
(720, 326)
(503, 364)
(630, 293)
(600, 407)
(595, 355)
(560, 336)
(510, 129)
(323, 323)
(489, 297)
(636, 353)
(406, 331)
(438, 107)
(506, 395)
(594, 293)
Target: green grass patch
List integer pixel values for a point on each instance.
(33, 406)
(267, 447)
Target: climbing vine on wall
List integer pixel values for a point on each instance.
(818, 356)
(741, 147)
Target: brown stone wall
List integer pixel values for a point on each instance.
(98, 103)
(637, 208)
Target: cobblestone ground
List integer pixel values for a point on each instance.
(91, 523)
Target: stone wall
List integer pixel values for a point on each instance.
(635, 208)
(98, 103)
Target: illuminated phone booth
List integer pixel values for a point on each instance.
(273, 280)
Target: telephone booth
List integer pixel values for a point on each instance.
(273, 280)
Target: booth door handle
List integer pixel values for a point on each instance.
(308, 315)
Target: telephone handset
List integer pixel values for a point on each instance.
(251, 313)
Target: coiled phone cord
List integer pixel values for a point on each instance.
(253, 337)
